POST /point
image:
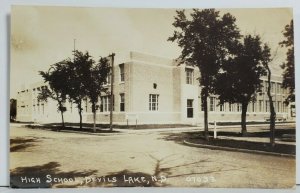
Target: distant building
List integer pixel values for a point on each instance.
(153, 90)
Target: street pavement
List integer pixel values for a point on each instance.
(119, 156)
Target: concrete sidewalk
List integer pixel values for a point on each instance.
(201, 128)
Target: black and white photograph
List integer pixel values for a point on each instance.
(152, 97)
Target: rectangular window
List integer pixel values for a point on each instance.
(279, 90)
(261, 86)
(222, 107)
(189, 75)
(106, 104)
(285, 109)
(190, 108)
(253, 106)
(267, 106)
(230, 107)
(85, 104)
(101, 105)
(265, 86)
(122, 102)
(261, 105)
(211, 103)
(279, 106)
(122, 77)
(273, 87)
(202, 105)
(153, 102)
(108, 78)
(239, 107)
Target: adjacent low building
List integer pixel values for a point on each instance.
(152, 90)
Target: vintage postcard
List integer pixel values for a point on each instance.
(123, 97)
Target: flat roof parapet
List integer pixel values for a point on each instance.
(148, 58)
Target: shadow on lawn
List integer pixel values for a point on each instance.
(21, 144)
(59, 128)
(40, 172)
(264, 133)
(198, 138)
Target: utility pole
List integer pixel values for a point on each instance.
(112, 91)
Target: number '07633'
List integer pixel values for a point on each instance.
(200, 179)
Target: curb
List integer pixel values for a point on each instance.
(77, 131)
(237, 149)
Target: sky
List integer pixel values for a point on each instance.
(44, 35)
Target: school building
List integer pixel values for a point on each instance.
(152, 90)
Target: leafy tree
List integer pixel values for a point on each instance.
(240, 77)
(94, 88)
(55, 77)
(13, 109)
(207, 40)
(78, 77)
(266, 61)
(289, 65)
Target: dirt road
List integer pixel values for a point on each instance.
(64, 159)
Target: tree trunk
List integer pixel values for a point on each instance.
(244, 115)
(80, 118)
(272, 110)
(94, 116)
(94, 126)
(205, 116)
(80, 115)
(62, 119)
(62, 116)
(272, 124)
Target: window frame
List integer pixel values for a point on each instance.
(122, 102)
(253, 106)
(267, 105)
(278, 88)
(189, 76)
(122, 72)
(212, 106)
(260, 105)
(279, 106)
(222, 107)
(106, 104)
(190, 108)
(153, 102)
(108, 78)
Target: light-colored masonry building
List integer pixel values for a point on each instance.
(153, 90)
